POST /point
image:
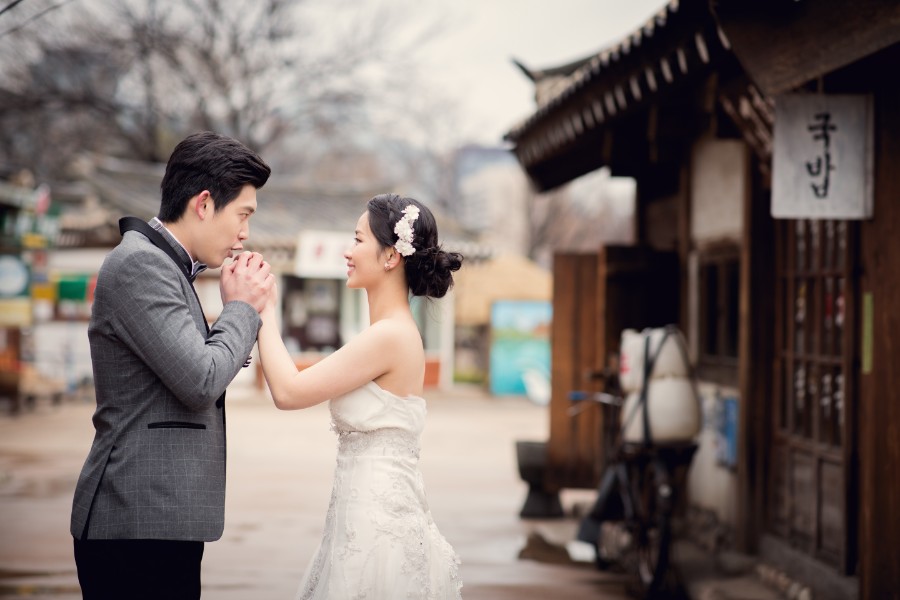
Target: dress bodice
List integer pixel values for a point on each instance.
(371, 420)
(370, 407)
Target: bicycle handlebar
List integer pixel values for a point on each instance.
(599, 397)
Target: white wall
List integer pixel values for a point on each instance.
(719, 183)
(710, 485)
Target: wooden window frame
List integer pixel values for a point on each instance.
(714, 364)
(793, 439)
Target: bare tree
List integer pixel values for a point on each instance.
(132, 77)
(13, 26)
(582, 216)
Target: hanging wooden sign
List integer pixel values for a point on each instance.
(822, 157)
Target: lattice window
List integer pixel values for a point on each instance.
(813, 358)
(813, 401)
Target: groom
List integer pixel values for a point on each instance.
(152, 489)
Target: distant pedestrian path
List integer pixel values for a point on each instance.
(279, 482)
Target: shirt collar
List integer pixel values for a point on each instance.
(197, 267)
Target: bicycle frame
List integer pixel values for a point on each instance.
(638, 488)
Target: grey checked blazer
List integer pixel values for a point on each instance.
(156, 468)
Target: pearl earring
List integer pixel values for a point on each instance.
(387, 266)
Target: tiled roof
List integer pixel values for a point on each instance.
(133, 188)
(681, 40)
(126, 187)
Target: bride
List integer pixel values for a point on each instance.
(380, 541)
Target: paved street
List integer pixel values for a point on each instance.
(279, 480)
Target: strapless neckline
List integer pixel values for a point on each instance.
(378, 389)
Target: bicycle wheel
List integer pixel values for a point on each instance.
(653, 528)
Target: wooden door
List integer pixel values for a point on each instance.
(595, 297)
(812, 503)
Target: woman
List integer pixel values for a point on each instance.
(380, 541)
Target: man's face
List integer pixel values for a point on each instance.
(227, 229)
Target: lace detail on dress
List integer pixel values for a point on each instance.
(386, 442)
(380, 540)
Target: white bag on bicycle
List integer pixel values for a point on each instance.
(670, 360)
(674, 412)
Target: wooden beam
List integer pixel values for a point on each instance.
(783, 45)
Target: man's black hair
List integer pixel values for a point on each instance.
(208, 161)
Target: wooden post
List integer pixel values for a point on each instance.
(756, 345)
(879, 380)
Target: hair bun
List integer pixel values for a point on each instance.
(446, 261)
(431, 270)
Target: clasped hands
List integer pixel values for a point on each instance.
(248, 278)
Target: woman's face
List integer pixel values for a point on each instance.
(365, 258)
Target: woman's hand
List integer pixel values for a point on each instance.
(249, 279)
(271, 306)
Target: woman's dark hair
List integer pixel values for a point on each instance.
(208, 161)
(429, 270)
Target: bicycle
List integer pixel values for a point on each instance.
(639, 491)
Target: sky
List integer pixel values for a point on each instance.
(472, 57)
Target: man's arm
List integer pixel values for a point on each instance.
(154, 319)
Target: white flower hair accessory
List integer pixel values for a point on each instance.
(404, 230)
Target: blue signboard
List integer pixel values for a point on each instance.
(726, 438)
(520, 348)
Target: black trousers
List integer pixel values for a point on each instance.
(138, 569)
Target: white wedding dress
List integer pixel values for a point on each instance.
(380, 542)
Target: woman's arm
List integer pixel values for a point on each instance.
(363, 359)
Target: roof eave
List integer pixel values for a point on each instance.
(680, 41)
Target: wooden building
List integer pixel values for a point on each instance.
(792, 317)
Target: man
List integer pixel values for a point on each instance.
(152, 489)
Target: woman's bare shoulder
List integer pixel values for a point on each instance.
(395, 333)
(400, 342)
(395, 326)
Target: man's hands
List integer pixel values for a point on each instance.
(247, 279)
